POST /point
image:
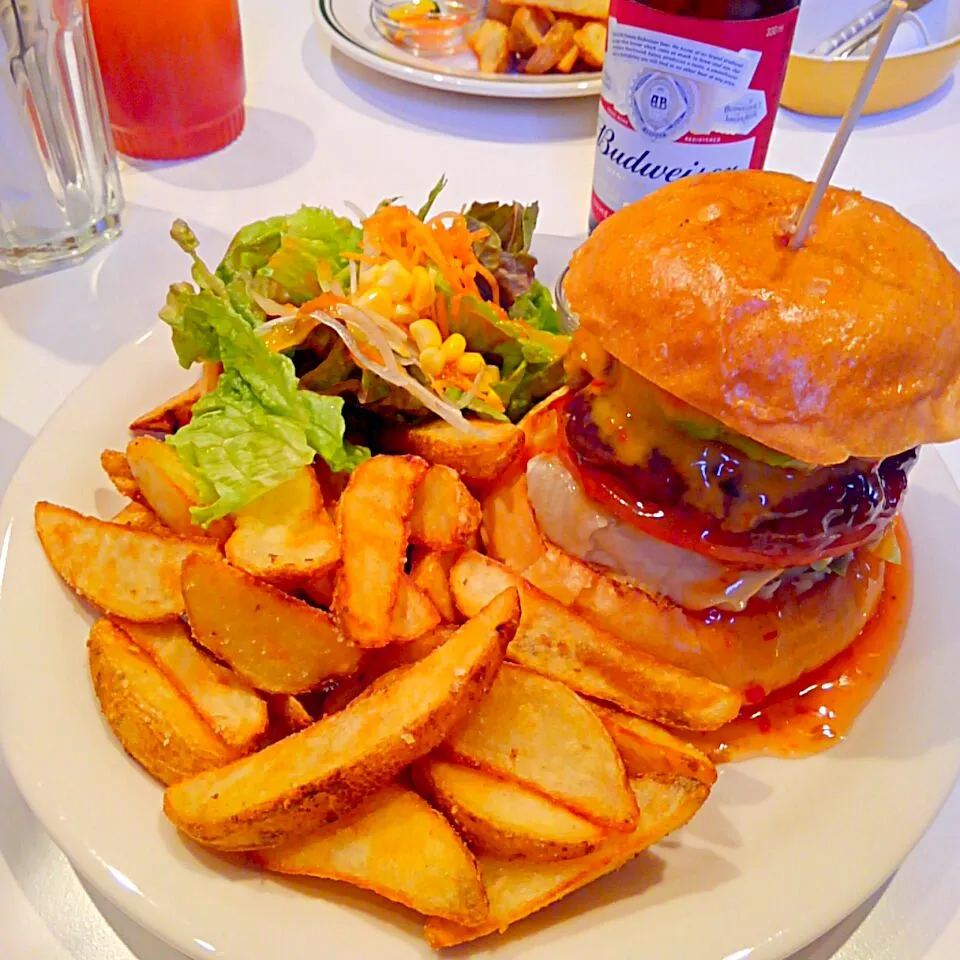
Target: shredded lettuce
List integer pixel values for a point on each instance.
(424, 211)
(257, 427)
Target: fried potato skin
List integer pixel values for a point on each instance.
(134, 574)
(152, 719)
(322, 773)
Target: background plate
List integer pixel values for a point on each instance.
(781, 852)
(347, 25)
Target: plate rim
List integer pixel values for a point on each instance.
(508, 87)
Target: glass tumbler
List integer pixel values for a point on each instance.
(60, 194)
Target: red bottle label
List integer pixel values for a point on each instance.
(683, 95)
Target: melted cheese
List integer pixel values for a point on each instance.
(580, 527)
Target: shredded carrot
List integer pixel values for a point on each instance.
(440, 316)
(323, 302)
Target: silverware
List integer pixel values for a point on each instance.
(855, 35)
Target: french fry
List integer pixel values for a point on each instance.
(413, 614)
(591, 41)
(140, 517)
(554, 640)
(502, 818)
(171, 415)
(430, 572)
(528, 27)
(445, 515)
(510, 530)
(167, 486)
(554, 47)
(399, 847)
(286, 536)
(314, 777)
(134, 574)
(537, 732)
(228, 705)
(118, 471)
(277, 643)
(150, 716)
(373, 514)
(478, 457)
(489, 43)
(648, 748)
(516, 889)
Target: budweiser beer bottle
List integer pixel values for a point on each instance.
(689, 86)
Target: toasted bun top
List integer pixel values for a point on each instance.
(848, 347)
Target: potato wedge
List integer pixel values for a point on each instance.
(118, 471)
(286, 536)
(510, 530)
(517, 889)
(378, 662)
(372, 517)
(150, 716)
(134, 574)
(229, 705)
(430, 572)
(140, 517)
(171, 415)
(168, 488)
(413, 614)
(399, 847)
(536, 731)
(503, 819)
(319, 589)
(591, 41)
(478, 457)
(499, 10)
(489, 43)
(555, 46)
(648, 748)
(554, 640)
(569, 60)
(316, 776)
(445, 515)
(528, 27)
(287, 715)
(277, 643)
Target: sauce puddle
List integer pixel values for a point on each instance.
(817, 711)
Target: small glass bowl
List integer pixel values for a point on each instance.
(439, 32)
(568, 320)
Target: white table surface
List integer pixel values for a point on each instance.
(321, 130)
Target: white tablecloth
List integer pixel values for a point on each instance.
(321, 130)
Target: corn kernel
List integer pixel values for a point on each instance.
(470, 364)
(376, 300)
(425, 334)
(431, 361)
(369, 276)
(396, 279)
(453, 347)
(422, 295)
(491, 374)
(404, 313)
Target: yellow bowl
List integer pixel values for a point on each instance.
(825, 87)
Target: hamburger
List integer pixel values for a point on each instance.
(724, 469)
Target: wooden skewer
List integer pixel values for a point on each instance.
(890, 23)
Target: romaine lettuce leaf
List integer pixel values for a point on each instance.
(257, 427)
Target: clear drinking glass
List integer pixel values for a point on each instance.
(60, 194)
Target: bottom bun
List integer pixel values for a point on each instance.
(769, 645)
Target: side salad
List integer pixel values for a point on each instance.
(315, 327)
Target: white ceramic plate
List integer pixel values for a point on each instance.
(782, 851)
(347, 25)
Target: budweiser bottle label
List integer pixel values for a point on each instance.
(683, 95)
